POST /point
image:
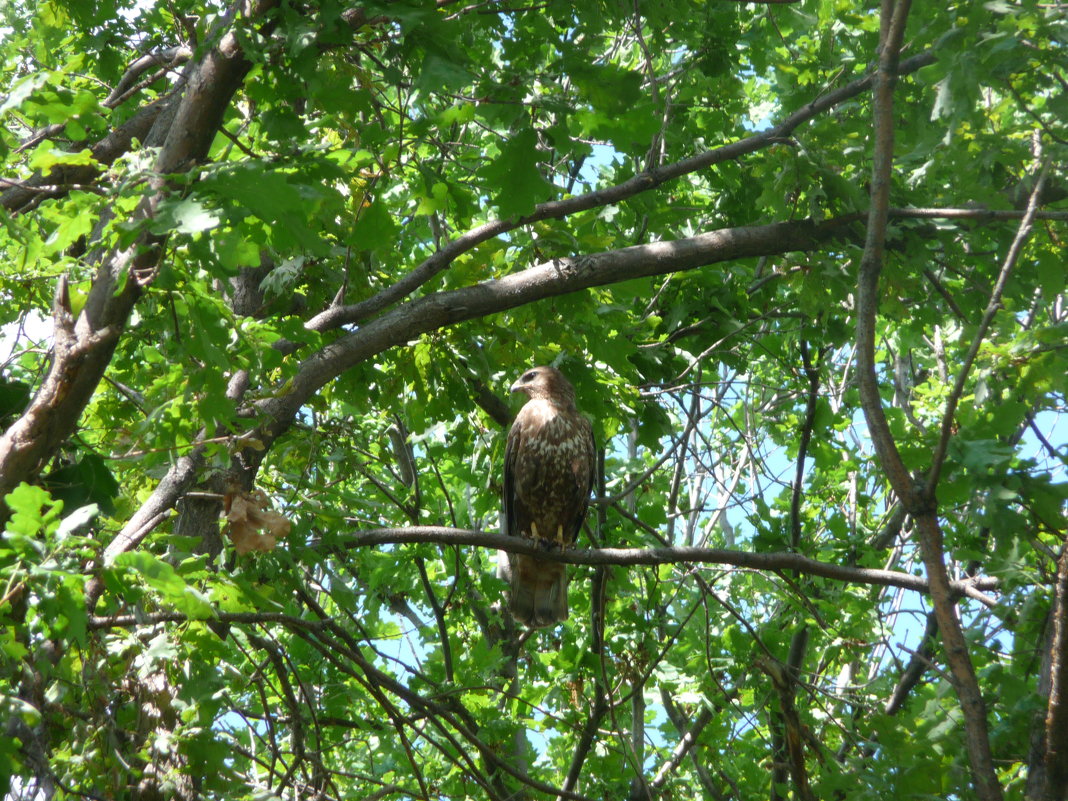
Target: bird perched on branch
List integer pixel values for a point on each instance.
(549, 464)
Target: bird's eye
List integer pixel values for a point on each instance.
(528, 377)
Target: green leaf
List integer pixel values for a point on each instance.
(23, 89)
(84, 482)
(185, 216)
(270, 196)
(46, 157)
(172, 588)
(33, 510)
(76, 519)
(516, 171)
(375, 228)
(441, 74)
(14, 396)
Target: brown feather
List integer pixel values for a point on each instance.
(548, 474)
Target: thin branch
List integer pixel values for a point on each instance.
(992, 307)
(657, 556)
(439, 616)
(917, 666)
(812, 376)
(793, 749)
(686, 742)
(585, 740)
(100, 622)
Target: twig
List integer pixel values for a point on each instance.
(686, 742)
(100, 622)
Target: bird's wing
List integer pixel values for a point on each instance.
(511, 450)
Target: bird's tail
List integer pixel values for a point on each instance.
(538, 591)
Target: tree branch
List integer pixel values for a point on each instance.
(978, 215)
(685, 744)
(24, 196)
(657, 556)
(1055, 754)
(549, 279)
(83, 347)
(337, 316)
(101, 622)
(992, 307)
(921, 505)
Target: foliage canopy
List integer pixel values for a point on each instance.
(268, 269)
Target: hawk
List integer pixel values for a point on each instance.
(549, 464)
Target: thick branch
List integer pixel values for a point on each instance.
(558, 277)
(83, 347)
(1055, 757)
(976, 215)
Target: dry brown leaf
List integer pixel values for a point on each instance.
(251, 523)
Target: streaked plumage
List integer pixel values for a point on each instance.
(549, 465)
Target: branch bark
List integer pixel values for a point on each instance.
(920, 504)
(25, 195)
(1047, 778)
(83, 347)
(557, 277)
(337, 316)
(772, 562)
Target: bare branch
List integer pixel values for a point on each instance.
(657, 556)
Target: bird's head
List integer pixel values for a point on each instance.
(546, 383)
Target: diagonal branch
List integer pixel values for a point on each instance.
(992, 308)
(83, 346)
(337, 316)
(20, 197)
(408, 321)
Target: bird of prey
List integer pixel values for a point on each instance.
(549, 464)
